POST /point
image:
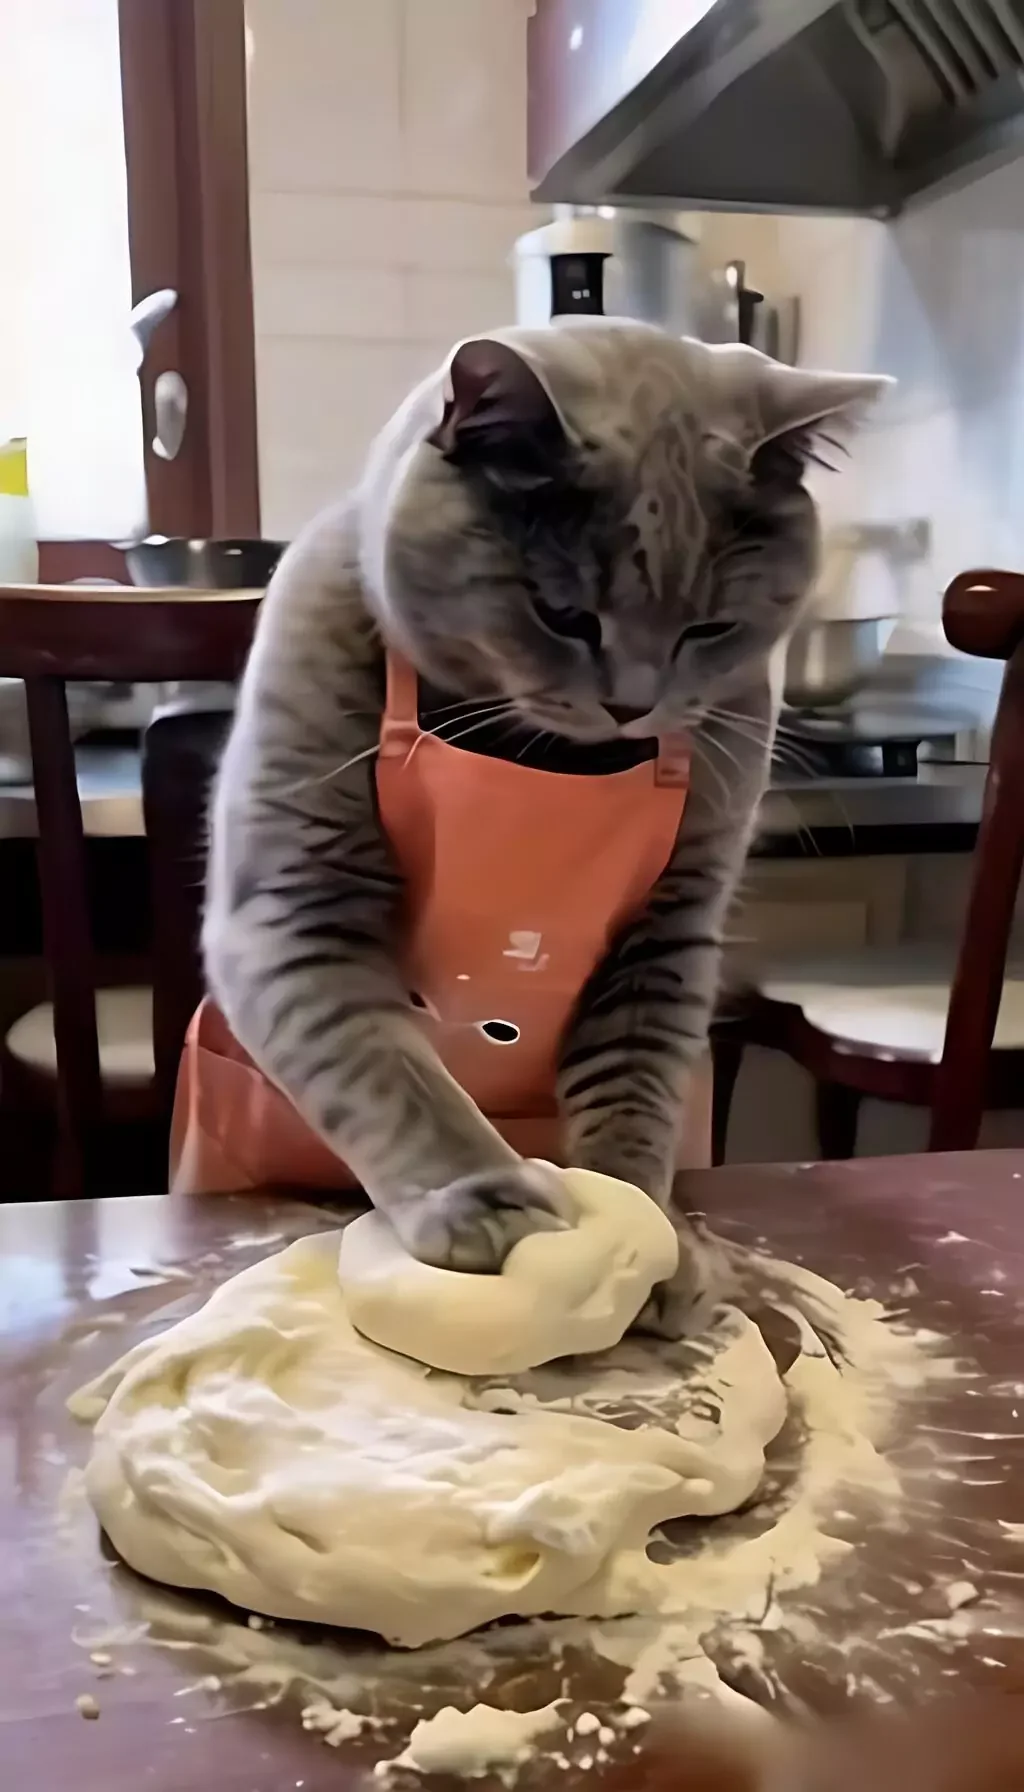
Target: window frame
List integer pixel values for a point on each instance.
(183, 89)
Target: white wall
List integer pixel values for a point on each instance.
(387, 143)
(936, 298)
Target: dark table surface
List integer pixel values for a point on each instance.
(191, 1696)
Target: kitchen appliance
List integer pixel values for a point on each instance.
(202, 565)
(881, 741)
(599, 262)
(772, 105)
(919, 710)
(828, 659)
(729, 310)
(860, 594)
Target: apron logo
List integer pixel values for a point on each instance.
(525, 948)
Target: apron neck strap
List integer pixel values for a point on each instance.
(672, 767)
(400, 723)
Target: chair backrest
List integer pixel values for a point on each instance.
(983, 614)
(48, 635)
(181, 750)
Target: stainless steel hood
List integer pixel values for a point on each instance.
(775, 105)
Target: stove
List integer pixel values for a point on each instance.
(870, 737)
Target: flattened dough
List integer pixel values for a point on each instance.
(263, 1450)
(559, 1293)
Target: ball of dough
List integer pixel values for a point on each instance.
(559, 1293)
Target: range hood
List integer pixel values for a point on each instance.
(784, 105)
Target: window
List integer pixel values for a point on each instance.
(125, 172)
(67, 362)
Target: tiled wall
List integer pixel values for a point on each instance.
(387, 143)
(388, 178)
(936, 298)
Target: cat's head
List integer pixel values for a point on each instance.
(600, 522)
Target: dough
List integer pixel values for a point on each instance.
(263, 1450)
(471, 1742)
(559, 1293)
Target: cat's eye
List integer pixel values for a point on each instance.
(570, 624)
(706, 631)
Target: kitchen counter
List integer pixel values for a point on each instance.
(189, 1694)
(829, 817)
(825, 817)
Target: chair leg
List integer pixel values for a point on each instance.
(68, 1176)
(837, 1109)
(726, 1058)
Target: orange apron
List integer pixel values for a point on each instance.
(517, 879)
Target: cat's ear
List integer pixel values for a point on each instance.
(766, 416)
(806, 416)
(499, 417)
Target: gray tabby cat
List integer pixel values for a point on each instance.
(607, 527)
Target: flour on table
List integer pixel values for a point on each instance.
(844, 1390)
(844, 1396)
(513, 1494)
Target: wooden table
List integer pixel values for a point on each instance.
(78, 1282)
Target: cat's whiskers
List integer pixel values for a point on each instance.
(699, 747)
(488, 711)
(803, 832)
(533, 741)
(717, 714)
(460, 703)
(795, 751)
(783, 740)
(748, 728)
(336, 771)
(485, 722)
(491, 711)
(711, 740)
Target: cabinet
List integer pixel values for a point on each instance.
(584, 57)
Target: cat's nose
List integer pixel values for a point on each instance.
(624, 712)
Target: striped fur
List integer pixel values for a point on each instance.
(545, 548)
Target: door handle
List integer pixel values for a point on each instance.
(148, 315)
(170, 413)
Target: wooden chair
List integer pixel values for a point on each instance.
(93, 1055)
(909, 1026)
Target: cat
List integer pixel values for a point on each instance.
(609, 528)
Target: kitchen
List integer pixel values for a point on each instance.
(381, 232)
(922, 285)
(364, 186)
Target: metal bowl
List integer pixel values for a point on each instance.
(829, 660)
(203, 565)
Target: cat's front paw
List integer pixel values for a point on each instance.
(473, 1223)
(683, 1306)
